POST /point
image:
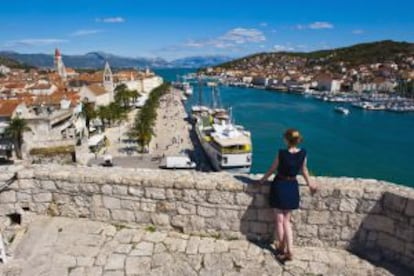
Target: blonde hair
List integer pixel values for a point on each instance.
(293, 137)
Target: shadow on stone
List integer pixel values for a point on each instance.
(385, 236)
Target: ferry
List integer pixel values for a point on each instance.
(342, 110)
(227, 146)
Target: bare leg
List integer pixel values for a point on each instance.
(280, 233)
(287, 228)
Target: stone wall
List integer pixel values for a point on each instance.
(372, 218)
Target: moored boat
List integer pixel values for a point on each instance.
(342, 110)
(227, 146)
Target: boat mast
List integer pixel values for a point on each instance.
(200, 91)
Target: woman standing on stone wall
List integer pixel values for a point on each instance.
(284, 190)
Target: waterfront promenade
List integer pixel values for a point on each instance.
(172, 137)
(172, 129)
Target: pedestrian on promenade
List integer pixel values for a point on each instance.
(284, 190)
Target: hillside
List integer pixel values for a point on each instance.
(366, 53)
(95, 60)
(12, 63)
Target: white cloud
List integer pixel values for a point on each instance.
(33, 42)
(231, 39)
(85, 32)
(284, 48)
(243, 35)
(263, 24)
(358, 32)
(117, 19)
(316, 26)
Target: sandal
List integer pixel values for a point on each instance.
(285, 257)
(279, 248)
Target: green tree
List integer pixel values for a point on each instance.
(88, 112)
(15, 130)
(143, 128)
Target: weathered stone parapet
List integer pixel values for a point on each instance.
(364, 215)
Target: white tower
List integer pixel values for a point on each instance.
(59, 66)
(108, 80)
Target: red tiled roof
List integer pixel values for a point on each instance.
(97, 89)
(7, 107)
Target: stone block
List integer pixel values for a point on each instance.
(101, 214)
(219, 197)
(315, 217)
(25, 184)
(355, 220)
(338, 218)
(244, 199)
(8, 197)
(172, 194)
(111, 202)
(196, 223)
(48, 185)
(23, 197)
(89, 188)
(259, 227)
(307, 231)
(226, 214)
(409, 209)
(155, 193)
(143, 249)
(119, 190)
(160, 219)
(165, 206)
(142, 217)
(207, 245)
(389, 242)
(136, 191)
(329, 233)
(123, 215)
(379, 223)
(203, 183)
(137, 265)
(194, 196)
(192, 246)
(115, 262)
(130, 204)
(369, 207)
(185, 208)
(348, 205)
(148, 206)
(42, 197)
(394, 202)
(265, 215)
(260, 201)
(206, 212)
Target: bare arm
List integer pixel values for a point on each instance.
(271, 170)
(305, 173)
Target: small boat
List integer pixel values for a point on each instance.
(342, 110)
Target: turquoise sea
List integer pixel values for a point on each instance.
(368, 144)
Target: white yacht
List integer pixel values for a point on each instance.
(188, 89)
(227, 146)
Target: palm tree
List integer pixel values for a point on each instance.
(15, 130)
(88, 112)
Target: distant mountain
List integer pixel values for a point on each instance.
(364, 53)
(199, 61)
(97, 60)
(12, 63)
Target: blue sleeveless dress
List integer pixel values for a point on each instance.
(284, 190)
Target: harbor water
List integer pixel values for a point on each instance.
(367, 144)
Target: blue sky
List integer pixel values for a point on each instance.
(174, 28)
